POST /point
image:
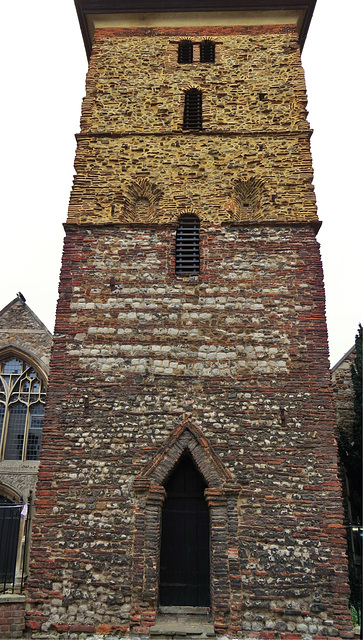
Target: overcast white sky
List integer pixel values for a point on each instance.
(43, 74)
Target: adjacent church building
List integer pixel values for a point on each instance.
(25, 345)
(189, 465)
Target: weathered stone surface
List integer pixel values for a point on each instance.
(342, 383)
(21, 329)
(230, 364)
(142, 376)
(20, 476)
(140, 149)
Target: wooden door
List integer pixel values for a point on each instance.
(184, 559)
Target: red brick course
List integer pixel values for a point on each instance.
(285, 538)
(12, 619)
(230, 365)
(195, 32)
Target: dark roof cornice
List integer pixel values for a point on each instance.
(87, 7)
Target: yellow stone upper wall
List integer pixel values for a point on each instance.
(135, 84)
(132, 145)
(192, 173)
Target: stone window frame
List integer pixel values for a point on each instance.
(221, 496)
(8, 353)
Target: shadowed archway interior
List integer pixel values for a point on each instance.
(184, 557)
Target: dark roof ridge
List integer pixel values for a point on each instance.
(88, 7)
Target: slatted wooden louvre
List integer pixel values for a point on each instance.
(187, 259)
(207, 51)
(193, 109)
(185, 52)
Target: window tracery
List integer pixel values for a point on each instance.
(22, 398)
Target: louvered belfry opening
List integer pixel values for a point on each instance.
(207, 51)
(193, 109)
(185, 52)
(187, 259)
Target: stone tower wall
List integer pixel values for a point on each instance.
(230, 365)
(131, 128)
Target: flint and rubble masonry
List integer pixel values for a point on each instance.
(238, 352)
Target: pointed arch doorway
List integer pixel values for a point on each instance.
(221, 496)
(185, 554)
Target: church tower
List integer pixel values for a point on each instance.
(189, 456)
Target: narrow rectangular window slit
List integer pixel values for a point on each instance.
(187, 259)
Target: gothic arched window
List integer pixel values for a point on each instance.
(22, 398)
(187, 259)
(207, 51)
(185, 52)
(193, 109)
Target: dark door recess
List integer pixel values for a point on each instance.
(184, 559)
(9, 537)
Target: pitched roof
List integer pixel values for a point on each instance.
(343, 358)
(18, 313)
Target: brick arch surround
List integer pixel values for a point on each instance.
(221, 496)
